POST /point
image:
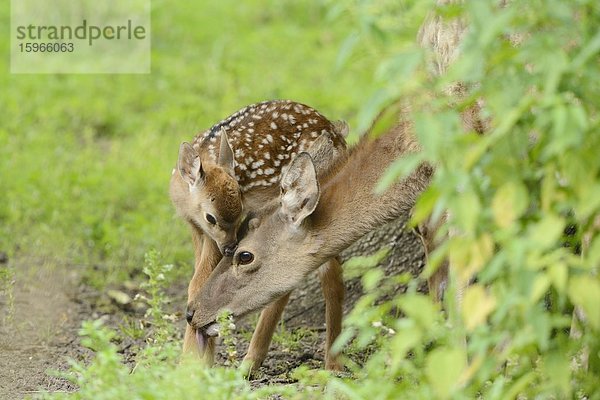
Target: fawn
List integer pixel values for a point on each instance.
(232, 169)
(312, 221)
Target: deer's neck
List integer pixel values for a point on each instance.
(349, 207)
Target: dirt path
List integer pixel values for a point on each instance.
(38, 331)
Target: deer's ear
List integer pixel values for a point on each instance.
(299, 189)
(321, 152)
(341, 128)
(189, 165)
(327, 151)
(226, 159)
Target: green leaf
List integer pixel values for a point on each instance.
(509, 203)
(467, 211)
(425, 204)
(519, 385)
(546, 232)
(433, 133)
(539, 288)
(404, 340)
(399, 169)
(421, 309)
(584, 291)
(593, 253)
(476, 306)
(385, 120)
(372, 278)
(359, 265)
(443, 369)
(591, 48)
(558, 274)
(371, 108)
(557, 367)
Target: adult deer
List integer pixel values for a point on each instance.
(314, 219)
(230, 170)
(311, 222)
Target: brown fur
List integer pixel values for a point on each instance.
(253, 138)
(286, 250)
(224, 193)
(224, 178)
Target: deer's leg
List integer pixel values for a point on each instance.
(261, 338)
(207, 256)
(332, 284)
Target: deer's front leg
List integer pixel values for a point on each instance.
(332, 284)
(261, 338)
(207, 257)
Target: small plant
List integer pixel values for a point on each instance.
(226, 332)
(132, 328)
(290, 339)
(157, 273)
(155, 377)
(99, 376)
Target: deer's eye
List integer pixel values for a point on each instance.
(245, 257)
(210, 219)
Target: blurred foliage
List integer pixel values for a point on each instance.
(521, 197)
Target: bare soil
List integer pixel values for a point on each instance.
(38, 333)
(39, 330)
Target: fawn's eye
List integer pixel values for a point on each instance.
(210, 219)
(245, 257)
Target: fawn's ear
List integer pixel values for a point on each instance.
(189, 165)
(341, 128)
(226, 159)
(323, 153)
(299, 190)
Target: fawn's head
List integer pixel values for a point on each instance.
(210, 197)
(276, 253)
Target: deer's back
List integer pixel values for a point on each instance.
(264, 138)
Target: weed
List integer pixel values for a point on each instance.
(226, 333)
(132, 328)
(156, 299)
(291, 339)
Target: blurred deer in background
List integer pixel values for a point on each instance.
(234, 168)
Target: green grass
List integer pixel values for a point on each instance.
(85, 160)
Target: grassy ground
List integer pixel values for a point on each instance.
(85, 162)
(85, 159)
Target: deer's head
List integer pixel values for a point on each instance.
(274, 256)
(208, 195)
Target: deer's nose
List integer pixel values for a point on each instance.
(229, 250)
(189, 315)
